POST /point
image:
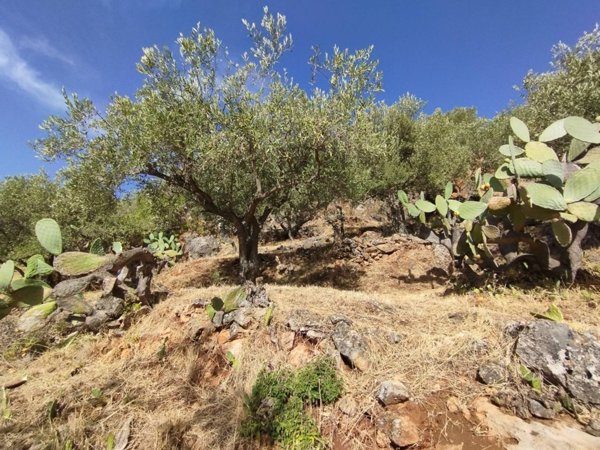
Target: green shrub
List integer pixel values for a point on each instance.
(275, 407)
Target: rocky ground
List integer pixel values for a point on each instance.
(423, 366)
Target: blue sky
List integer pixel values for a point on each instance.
(449, 53)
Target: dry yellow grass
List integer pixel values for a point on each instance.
(194, 399)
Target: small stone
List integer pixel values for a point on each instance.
(593, 427)
(96, 321)
(491, 373)
(387, 248)
(404, 432)
(234, 331)
(198, 328)
(315, 335)
(236, 348)
(243, 317)
(348, 406)
(453, 405)
(391, 392)
(112, 306)
(218, 318)
(458, 316)
(540, 411)
(286, 340)
(223, 336)
(480, 346)
(394, 338)
(513, 328)
(337, 318)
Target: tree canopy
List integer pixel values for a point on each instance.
(238, 137)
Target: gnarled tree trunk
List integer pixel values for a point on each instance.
(248, 236)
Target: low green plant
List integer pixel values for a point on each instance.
(531, 378)
(276, 405)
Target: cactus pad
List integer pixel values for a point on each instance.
(562, 233)
(72, 264)
(48, 234)
(581, 184)
(7, 271)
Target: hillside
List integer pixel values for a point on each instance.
(165, 379)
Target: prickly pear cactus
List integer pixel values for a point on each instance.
(73, 264)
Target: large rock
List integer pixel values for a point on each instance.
(352, 346)
(200, 247)
(564, 357)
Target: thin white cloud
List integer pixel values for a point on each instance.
(42, 46)
(18, 72)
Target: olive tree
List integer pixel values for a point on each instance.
(570, 88)
(237, 137)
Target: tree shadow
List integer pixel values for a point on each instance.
(320, 265)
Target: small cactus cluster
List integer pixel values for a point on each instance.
(163, 247)
(531, 188)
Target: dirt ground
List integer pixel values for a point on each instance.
(170, 392)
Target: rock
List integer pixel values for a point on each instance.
(243, 317)
(537, 409)
(480, 346)
(337, 318)
(387, 248)
(300, 355)
(199, 328)
(348, 405)
(302, 321)
(286, 340)
(95, 322)
(257, 295)
(35, 317)
(72, 287)
(491, 373)
(108, 285)
(513, 328)
(394, 338)
(217, 319)
(223, 336)
(404, 432)
(531, 435)
(75, 305)
(391, 392)
(202, 246)
(453, 405)
(352, 346)
(564, 357)
(593, 427)
(112, 306)
(236, 348)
